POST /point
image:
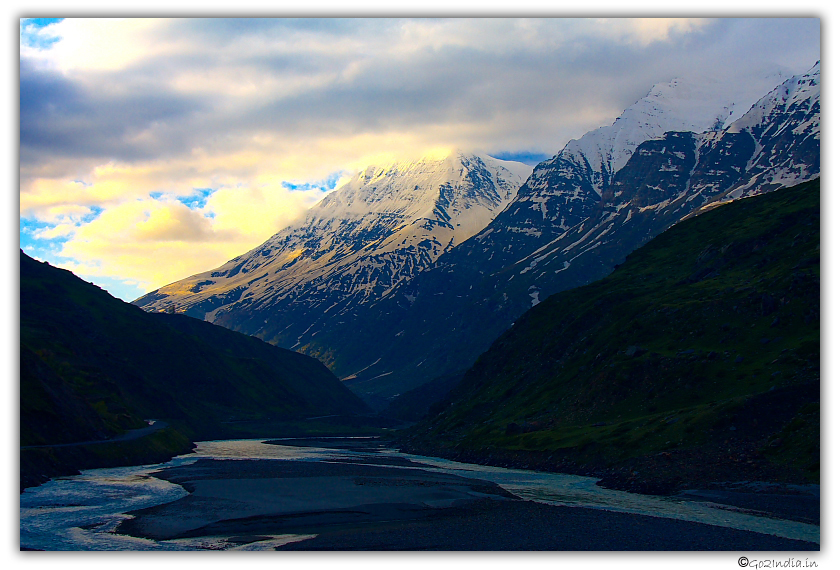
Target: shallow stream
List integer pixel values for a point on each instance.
(81, 512)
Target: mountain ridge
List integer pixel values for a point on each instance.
(354, 247)
(113, 366)
(696, 361)
(476, 291)
(571, 222)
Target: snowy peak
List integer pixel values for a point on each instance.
(695, 105)
(782, 131)
(799, 94)
(690, 145)
(566, 189)
(774, 144)
(460, 186)
(381, 228)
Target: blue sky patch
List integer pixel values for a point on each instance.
(49, 248)
(327, 184)
(526, 157)
(42, 22)
(29, 28)
(30, 226)
(118, 288)
(198, 199)
(38, 247)
(95, 212)
(49, 251)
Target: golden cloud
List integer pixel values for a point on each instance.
(157, 241)
(645, 31)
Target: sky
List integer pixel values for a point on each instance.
(154, 149)
(126, 131)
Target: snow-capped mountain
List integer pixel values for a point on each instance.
(382, 283)
(354, 247)
(695, 105)
(782, 131)
(564, 190)
(775, 144)
(572, 222)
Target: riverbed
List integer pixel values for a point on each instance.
(349, 494)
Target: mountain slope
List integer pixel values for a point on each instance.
(352, 249)
(565, 190)
(93, 366)
(389, 312)
(697, 358)
(569, 225)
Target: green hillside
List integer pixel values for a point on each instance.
(92, 367)
(696, 360)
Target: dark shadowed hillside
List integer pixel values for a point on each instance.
(93, 366)
(697, 360)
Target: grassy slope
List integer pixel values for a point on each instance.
(696, 360)
(93, 366)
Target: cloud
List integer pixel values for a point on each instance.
(171, 86)
(645, 31)
(175, 222)
(155, 241)
(126, 114)
(102, 44)
(257, 213)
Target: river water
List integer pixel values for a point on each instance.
(81, 512)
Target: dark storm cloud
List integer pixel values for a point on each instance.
(363, 75)
(60, 118)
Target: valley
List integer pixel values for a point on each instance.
(462, 352)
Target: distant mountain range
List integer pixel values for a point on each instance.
(382, 283)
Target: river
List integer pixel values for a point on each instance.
(82, 512)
